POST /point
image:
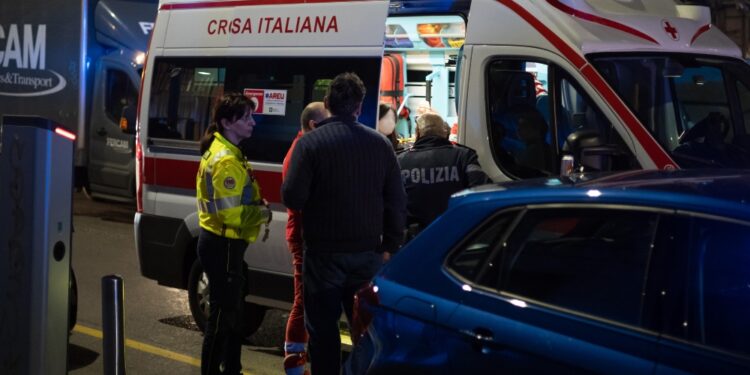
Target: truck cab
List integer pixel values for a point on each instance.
(79, 64)
(121, 39)
(529, 85)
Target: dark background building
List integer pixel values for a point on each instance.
(733, 17)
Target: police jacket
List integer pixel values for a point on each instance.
(431, 171)
(229, 200)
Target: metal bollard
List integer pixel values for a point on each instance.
(113, 342)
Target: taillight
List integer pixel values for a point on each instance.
(139, 166)
(139, 173)
(364, 299)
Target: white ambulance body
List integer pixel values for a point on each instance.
(614, 84)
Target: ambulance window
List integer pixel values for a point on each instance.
(687, 102)
(519, 118)
(182, 95)
(120, 93)
(185, 89)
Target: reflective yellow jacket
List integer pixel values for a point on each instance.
(229, 200)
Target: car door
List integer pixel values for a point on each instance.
(111, 162)
(561, 293)
(710, 331)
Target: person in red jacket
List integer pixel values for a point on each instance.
(295, 356)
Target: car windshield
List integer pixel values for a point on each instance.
(697, 107)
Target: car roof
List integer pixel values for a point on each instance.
(717, 192)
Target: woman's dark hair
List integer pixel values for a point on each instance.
(345, 94)
(383, 110)
(230, 107)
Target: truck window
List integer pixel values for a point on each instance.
(685, 102)
(183, 92)
(533, 107)
(120, 93)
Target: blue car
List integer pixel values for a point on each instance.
(642, 272)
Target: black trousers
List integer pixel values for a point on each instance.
(222, 260)
(330, 281)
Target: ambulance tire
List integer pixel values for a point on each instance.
(198, 292)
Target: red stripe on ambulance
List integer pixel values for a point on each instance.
(181, 174)
(645, 139)
(600, 20)
(700, 32)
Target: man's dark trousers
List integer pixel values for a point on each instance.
(330, 280)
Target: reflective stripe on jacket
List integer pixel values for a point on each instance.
(229, 200)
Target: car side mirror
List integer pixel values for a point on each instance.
(127, 119)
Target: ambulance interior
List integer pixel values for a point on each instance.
(418, 73)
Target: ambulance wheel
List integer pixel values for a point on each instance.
(72, 301)
(198, 297)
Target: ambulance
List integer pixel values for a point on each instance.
(537, 87)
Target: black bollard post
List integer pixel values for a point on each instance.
(113, 342)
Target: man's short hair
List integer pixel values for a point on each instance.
(315, 111)
(431, 124)
(345, 94)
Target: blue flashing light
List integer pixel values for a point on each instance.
(399, 7)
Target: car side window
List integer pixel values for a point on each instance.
(471, 256)
(722, 250)
(588, 260)
(120, 93)
(744, 94)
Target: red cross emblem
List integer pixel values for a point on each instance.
(670, 30)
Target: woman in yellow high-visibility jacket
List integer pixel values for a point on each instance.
(231, 211)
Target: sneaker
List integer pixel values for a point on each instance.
(294, 364)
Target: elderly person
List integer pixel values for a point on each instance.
(433, 169)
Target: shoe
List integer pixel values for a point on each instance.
(294, 364)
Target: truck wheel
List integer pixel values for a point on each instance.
(72, 301)
(198, 294)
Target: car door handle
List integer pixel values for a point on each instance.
(102, 132)
(482, 339)
(479, 334)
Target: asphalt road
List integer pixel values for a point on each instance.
(161, 337)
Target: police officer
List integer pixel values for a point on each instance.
(231, 212)
(433, 169)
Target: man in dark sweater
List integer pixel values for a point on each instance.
(345, 179)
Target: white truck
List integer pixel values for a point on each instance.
(79, 63)
(604, 84)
